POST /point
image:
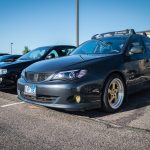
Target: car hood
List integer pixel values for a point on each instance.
(59, 64)
(18, 63)
(4, 63)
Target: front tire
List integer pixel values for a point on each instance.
(114, 93)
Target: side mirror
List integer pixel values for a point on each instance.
(136, 50)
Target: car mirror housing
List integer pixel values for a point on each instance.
(136, 50)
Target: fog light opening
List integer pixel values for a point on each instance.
(77, 98)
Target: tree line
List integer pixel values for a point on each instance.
(25, 50)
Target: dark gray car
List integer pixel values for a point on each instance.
(98, 73)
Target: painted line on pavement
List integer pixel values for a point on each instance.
(12, 104)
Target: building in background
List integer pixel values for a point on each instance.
(146, 31)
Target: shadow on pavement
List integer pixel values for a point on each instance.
(134, 101)
(10, 91)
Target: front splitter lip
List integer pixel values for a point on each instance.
(68, 107)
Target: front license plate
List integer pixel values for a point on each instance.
(30, 90)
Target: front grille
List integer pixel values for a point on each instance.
(36, 77)
(40, 98)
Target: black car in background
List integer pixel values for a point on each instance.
(99, 73)
(10, 72)
(1, 54)
(9, 58)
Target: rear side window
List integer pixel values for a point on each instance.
(54, 52)
(147, 43)
(69, 50)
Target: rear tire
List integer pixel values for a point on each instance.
(114, 93)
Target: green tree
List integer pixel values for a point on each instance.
(26, 50)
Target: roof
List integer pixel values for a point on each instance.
(3, 54)
(51, 46)
(148, 33)
(127, 32)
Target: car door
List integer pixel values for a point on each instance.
(147, 61)
(135, 63)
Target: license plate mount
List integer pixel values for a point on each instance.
(30, 90)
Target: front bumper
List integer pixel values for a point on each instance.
(62, 95)
(7, 82)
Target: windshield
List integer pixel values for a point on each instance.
(35, 54)
(112, 45)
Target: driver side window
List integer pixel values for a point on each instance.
(53, 54)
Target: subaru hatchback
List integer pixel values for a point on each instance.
(99, 73)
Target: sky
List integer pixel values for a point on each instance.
(36, 23)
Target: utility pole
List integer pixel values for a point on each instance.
(11, 47)
(77, 22)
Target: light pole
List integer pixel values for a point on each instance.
(11, 47)
(77, 22)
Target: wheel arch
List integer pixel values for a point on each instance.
(117, 73)
(122, 76)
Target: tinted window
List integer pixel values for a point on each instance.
(135, 40)
(60, 51)
(147, 43)
(54, 52)
(116, 43)
(68, 50)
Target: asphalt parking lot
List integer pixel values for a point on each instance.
(25, 126)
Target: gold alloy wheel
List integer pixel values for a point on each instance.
(115, 93)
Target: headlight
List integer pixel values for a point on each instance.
(23, 73)
(3, 71)
(72, 74)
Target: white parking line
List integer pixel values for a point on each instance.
(12, 104)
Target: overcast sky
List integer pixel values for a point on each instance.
(36, 23)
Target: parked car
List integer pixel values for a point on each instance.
(9, 58)
(99, 73)
(1, 54)
(10, 72)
